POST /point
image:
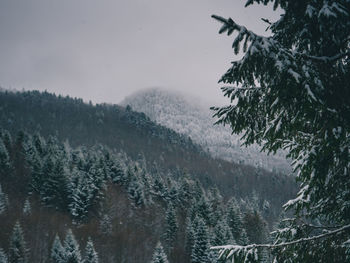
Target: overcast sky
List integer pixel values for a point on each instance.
(104, 50)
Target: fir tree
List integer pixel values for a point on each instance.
(221, 235)
(158, 255)
(4, 158)
(90, 253)
(3, 256)
(71, 249)
(235, 222)
(200, 250)
(189, 235)
(291, 91)
(57, 251)
(3, 201)
(171, 225)
(81, 190)
(54, 188)
(17, 248)
(136, 192)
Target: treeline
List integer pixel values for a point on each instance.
(132, 211)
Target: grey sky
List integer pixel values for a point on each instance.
(104, 50)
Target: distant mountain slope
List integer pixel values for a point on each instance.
(177, 112)
(134, 133)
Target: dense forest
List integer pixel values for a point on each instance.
(82, 183)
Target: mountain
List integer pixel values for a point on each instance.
(193, 118)
(108, 173)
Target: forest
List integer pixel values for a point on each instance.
(77, 194)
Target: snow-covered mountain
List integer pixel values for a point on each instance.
(188, 116)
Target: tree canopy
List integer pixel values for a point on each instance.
(291, 91)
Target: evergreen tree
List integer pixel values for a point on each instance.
(7, 139)
(27, 210)
(71, 249)
(235, 222)
(221, 235)
(200, 250)
(115, 170)
(291, 91)
(57, 251)
(3, 201)
(171, 226)
(90, 253)
(3, 256)
(189, 235)
(204, 210)
(158, 255)
(54, 188)
(17, 248)
(81, 190)
(136, 192)
(4, 158)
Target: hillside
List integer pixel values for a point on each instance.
(187, 116)
(112, 174)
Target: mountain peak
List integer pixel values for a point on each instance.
(189, 116)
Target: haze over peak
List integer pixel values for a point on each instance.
(192, 117)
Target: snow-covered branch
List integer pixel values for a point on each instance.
(271, 246)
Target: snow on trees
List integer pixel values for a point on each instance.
(291, 91)
(4, 157)
(3, 256)
(171, 225)
(57, 252)
(200, 250)
(17, 248)
(159, 255)
(90, 253)
(71, 248)
(3, 201)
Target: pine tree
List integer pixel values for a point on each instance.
(4, 158)
(81, 190)
(54, 188)
(189, 235)
(17, 248)
(3, 201)
(171, 226)
(71, 248)
(6, 138)
(204, 210)
(291, 91)
(235, 222)
(136, 192)
(200, 250)
(57, 251)
(158, 255)
(3, 256)
(27, 210)
(221, 235)
(90, 253)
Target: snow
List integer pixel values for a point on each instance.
(295, 75)
(177, 112)
(326, 11)
(301, 197)
(310, 93)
